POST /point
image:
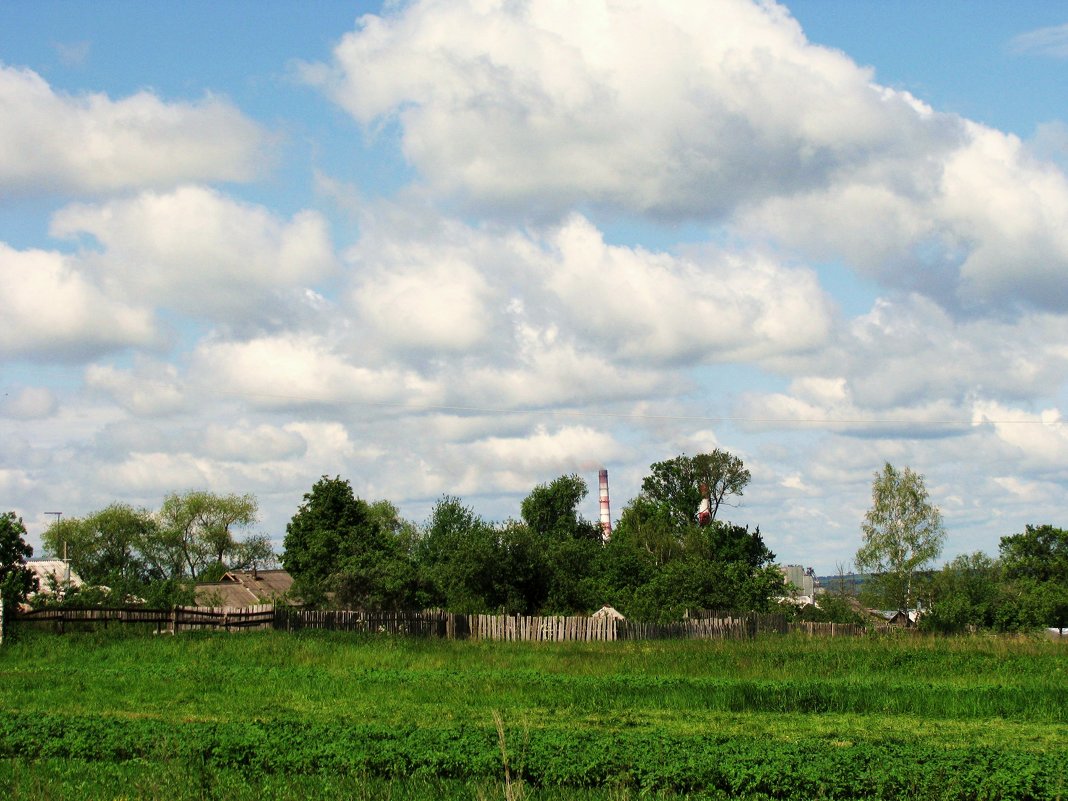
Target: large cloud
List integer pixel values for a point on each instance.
(452, 289)
(673, 108)
(200, 252)
(708, 307)
(299, 370)
(909, 352)
(50, 310)
(708, 110)
(984, 226)
(53, 143)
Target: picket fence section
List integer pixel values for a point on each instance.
(180, 618)
(438, 623)
(430, 623)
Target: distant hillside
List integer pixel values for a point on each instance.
(851, 583)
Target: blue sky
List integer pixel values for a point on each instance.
(466, 247)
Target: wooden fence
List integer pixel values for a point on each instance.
(435, 623)
(551, 628)
(431, 623)
(180, 618)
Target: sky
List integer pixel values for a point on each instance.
(466, 247)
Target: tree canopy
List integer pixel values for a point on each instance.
(196, 530)
(105, 547)
(902, 533)
(337, 544)
(679, 485)
(16, 580)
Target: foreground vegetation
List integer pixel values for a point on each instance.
(330, 716)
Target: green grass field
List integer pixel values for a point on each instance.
(274, 715)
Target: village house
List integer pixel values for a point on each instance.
(53, 576)
(241, 588)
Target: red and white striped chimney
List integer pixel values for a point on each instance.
(606, 512)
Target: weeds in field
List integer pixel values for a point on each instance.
(262, 715)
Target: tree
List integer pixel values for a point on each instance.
(966, 595)
(16, 580)
(902, 532)
(1035, 565)
(196, 530)
(336, 543)
(461, 558)
(1039, 553)
(648, 526)
(677, 484)
(104, 547)
(568, 543)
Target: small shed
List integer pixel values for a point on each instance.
(607, 611)
(890, 618)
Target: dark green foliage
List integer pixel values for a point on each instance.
(783, 718)
(1035, 565)
(16, 580)
(646, 761)
(568, 545)
(653, 571)
(338, 547)
(460, 558)
(1040, 553)
(966, 595)
(1026, 588)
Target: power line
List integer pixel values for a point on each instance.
(422, 408)
(686, 418)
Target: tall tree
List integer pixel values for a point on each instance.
(568, 543)
(16, 580)
(104, 547)
(198, 528)
(680, 484)
(1039, 553)
(461, 557)
(902, 533)
(337, 544)
(965, 594)
(1035, 563)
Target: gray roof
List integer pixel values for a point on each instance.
(238, 588)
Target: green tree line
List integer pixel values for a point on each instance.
(1024, 587)
(663, 557)
(659, 561)
(346, 551)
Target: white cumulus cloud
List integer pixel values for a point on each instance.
(683, 108)
(51, 142)
(198, 251)
(51, 310)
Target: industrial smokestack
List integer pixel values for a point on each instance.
(704, 511)
(606, 512)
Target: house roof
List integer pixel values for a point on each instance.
(55, 569)
(245, 588)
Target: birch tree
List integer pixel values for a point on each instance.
(902, 533)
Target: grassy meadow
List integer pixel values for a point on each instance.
(318, 715)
